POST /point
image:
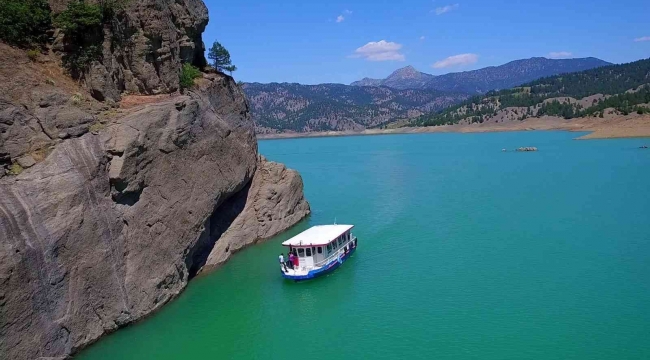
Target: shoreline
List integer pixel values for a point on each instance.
(614, 127)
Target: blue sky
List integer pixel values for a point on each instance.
(335, 41)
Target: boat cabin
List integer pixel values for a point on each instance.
(319, 246)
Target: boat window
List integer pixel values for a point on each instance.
(329, 248)
(308, 252)
(320, 249)
(334, 245)
(301, 252)
(341, 240)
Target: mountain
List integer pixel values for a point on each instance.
(404, 78)
(367, 82)
(505, 76)
(605, 90)
(279, 107)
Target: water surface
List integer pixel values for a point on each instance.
(465, 252)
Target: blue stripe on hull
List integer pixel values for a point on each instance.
(319, 272)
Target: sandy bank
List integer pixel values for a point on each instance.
(632, 125)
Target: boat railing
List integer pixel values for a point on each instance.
(339, 252)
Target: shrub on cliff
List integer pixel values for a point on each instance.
(188, 74)
(24, 22)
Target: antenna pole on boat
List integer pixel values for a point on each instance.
(334, 221)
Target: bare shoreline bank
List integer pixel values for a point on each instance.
(629, 126)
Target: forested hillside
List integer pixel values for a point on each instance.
(282, 107)
(624, 88)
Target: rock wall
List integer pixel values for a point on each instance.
(106, 213)
(144, 46)
(39, 107)
(112, 224)
(270, 204)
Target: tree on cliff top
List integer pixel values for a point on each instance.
(221, 58)
(24, 22)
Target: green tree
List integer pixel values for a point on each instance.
(221, 58)
(24, 22)
(188, 74)
(82, 25)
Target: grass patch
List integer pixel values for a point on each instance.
(76, 99)
(15, 169)
(33, 54)
(97, 127)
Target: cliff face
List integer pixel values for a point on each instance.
(270, 204)
(106, 213)
(143, 47)
(109, 227)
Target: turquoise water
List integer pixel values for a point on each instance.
(465, 252)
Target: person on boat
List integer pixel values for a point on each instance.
(281, 258)
(296, 262)
(291, 261)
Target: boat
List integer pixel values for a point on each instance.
(319, 250)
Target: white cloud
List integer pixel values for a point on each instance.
(380, 51)
(642, 38)
(559, 54)
(456, 60)
(422, 37)
(341, 18)
(445, 9)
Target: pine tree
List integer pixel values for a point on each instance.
(221, 58)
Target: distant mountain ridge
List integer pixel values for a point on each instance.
(280, 107)
(402, 79)
(406, 96)
(615, 89)
(483, 80)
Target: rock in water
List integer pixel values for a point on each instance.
(527, 149)
(109, 228)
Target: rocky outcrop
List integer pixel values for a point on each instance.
(36, 112)
(143, 47)
(270, 204)
(109, 227)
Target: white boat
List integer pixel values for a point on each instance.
(319, 250)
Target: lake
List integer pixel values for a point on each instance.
(465, 252)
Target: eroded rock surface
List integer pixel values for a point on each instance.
(106, 212)
(144, 46)
(109, 227)
(272, 203)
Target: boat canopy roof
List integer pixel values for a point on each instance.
(318, 235)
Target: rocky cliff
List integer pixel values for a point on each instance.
(271, 203)
(106, 212)
(144, 46)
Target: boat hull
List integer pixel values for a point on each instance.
(312, 274)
